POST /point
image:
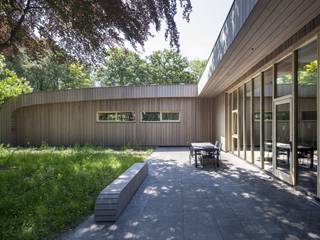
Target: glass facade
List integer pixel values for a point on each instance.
(283, 139)
(307, 116)
(267, 118)
(241, 122)
(272, 122)
(235, 130)
(284, 77)
(256, 120)
(248, 121)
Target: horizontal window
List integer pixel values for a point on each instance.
(160, 116)
(115, 116)
(170, 116)
(150, 116)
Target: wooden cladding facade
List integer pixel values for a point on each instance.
(69, 117)
(75, 123)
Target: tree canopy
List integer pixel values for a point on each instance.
(124, 67)
(51, 72)
(85, 28)
(10, 84)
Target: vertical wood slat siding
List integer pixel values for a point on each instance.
(75, 123)
(83, 95)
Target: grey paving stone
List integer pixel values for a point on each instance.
(237, 201)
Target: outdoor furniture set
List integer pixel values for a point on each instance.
(207, 153)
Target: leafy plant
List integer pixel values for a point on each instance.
(10, 84)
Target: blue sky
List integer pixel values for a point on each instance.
(199, 35)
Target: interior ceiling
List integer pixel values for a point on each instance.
(270, 23)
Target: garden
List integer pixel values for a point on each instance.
(47, 190)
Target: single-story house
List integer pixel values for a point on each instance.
(259, 95)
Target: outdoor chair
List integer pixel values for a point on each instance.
(218, 155)
(209, 158)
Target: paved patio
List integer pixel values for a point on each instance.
(237, 201)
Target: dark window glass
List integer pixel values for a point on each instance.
(125, 116)
(107, 116)
(170, 116)
(283, 144)
(256, 123)
(247, 120)
(150, 116)
(309, 116)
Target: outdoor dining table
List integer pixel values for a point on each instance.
(197, 147)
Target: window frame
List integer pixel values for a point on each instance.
(115, 121)
(161, 117)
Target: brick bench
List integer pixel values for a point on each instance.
(113, 199)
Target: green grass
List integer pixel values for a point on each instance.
(45, 190)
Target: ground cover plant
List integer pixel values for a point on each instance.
(45, 190)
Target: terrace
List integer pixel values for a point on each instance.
(237, 201)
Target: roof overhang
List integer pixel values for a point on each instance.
(267, 25)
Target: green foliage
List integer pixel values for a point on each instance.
(169, 67)
(124, 67)
(51, 72)
(44, 190)
(10, 84)
(85, 28)
(197, 67)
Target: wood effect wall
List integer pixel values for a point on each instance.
(8, 110)
(75, 123)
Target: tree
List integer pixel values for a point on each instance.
(124, 67)
(10, 84)
(197, 67)
(51, 72)
(169, 67)
(84, 28)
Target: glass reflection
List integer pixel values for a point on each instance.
(307, 116)
(241, 98)
(247, 122)
(256, 120)
(283, 143)
(267, 117)
(284, 77)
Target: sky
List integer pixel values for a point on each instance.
(199, 35)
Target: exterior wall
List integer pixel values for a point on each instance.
(75, 123)
(8, 131)
(219, 121)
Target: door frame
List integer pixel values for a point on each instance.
(289, 178)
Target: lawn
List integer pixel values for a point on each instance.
(46, 190)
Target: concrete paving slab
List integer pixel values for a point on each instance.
(236, 201)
